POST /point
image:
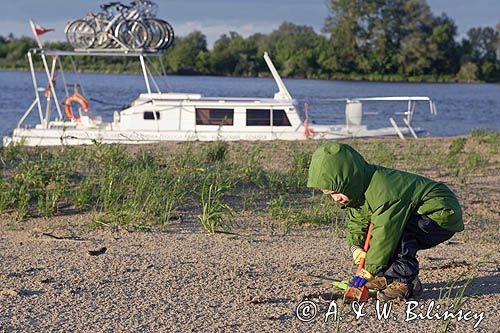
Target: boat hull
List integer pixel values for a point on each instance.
(72, 136)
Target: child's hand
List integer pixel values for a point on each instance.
(360, 279)
(357, 254)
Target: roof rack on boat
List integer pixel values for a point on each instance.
(99, 52)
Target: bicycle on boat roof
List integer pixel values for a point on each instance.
(117, 25)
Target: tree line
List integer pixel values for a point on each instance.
(389, 40)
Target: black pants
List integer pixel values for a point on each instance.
(420, 233)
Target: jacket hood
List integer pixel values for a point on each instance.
(338, 167)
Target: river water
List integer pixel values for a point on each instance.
(460, 107)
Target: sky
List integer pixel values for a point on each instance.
(216, 17)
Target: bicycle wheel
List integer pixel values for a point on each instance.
(158, 33)
(80, 34)
(133, 34)
(170, 35)
(99, 22)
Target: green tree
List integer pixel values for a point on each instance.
(234, 55)
(389, 36)
(481, 48)
(417, 52)
(498, 40)
(490, 71)
(294, 49)
(325, 57)
(443, 35)
(344, 24)
(483, 43)
(186, 53)
(13, 52)
(262, 44)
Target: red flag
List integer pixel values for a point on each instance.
(41, 30)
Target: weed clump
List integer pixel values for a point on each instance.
(216, 215)
(454, 151)
(130, 191)
(216, 151)
(475, 162)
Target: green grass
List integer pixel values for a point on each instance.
(320, 210)
(146, 187)
(216, 215)
(454, 151)
(215, 152)
(452, 294)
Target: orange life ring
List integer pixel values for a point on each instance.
(78, 99)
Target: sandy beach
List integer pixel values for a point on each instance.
(64, 273)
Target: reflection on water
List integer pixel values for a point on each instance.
(461, 107)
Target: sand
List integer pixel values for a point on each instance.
(182, 279)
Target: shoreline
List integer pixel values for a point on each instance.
(347, 78)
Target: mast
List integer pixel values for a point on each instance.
(283, 92)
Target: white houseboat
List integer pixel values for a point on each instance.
(158, 116)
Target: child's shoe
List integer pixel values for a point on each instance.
(395, 290)
(377, 283)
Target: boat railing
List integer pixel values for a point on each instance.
(149, 70)
(354, 110)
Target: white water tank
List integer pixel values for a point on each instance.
(353, 113)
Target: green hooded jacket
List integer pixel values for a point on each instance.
(386, 197)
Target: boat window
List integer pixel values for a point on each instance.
(280, 118)
(258, 117)
(262, 117)
(148, 115)
(214, 116)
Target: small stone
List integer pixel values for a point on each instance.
(28, 293)
(98, 252)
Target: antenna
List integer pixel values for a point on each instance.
(283, 92)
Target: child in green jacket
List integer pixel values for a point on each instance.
(408, 212)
